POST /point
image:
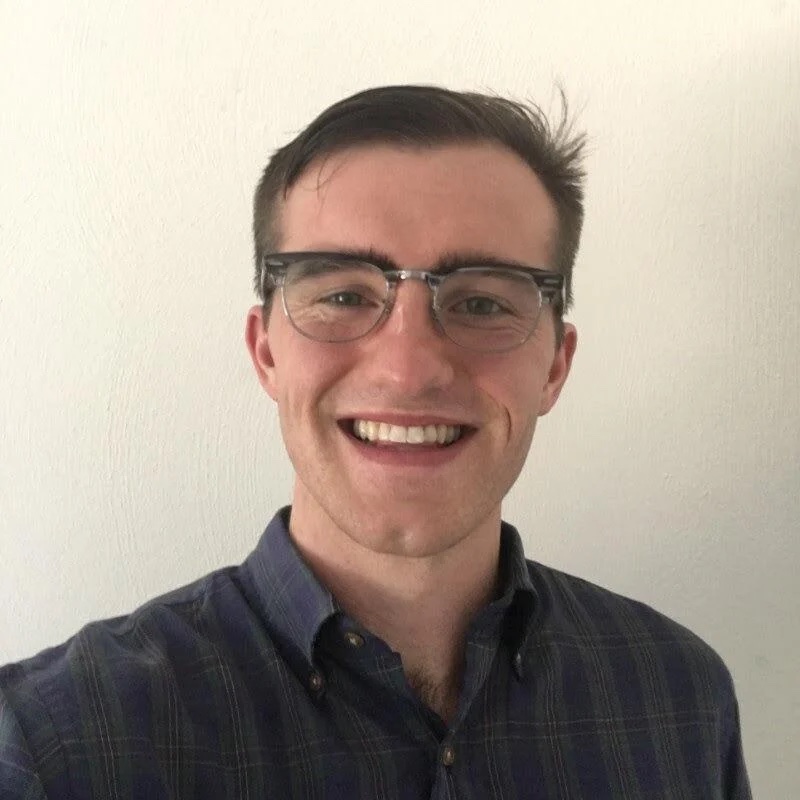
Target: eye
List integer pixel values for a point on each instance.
(344, 299)
(481, 306)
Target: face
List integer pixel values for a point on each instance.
(416, 206)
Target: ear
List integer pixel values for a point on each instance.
(559, 370)
(256, 335)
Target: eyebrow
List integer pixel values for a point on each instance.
(444, 264)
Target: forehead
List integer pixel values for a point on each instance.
(417, 203)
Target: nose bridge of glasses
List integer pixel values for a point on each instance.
(430, 279)
(426, 276)
(398, 276)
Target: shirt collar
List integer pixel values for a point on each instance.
(519, 598)
(296, 605)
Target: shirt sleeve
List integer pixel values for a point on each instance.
(19, 779)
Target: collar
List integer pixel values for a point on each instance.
(296, 605)
(293, 602)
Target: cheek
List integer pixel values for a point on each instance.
(304, 377)
(517, 394)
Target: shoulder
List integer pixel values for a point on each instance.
(176, 621)
(171, 644)
(623, 635)
(126, 698)
(634, 670)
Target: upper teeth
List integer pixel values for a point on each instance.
(399, 434)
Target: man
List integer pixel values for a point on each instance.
(387, 638)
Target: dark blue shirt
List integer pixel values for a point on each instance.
(252, 683)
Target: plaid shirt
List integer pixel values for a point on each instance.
(251, 683)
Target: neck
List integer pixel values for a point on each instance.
(420, 605)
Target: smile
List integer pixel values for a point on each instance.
(386, 433)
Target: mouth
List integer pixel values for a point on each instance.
(381, 434)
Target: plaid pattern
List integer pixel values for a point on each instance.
(251, 683)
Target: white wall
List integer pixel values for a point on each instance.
(137, 451)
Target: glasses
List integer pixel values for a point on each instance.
(333, 297)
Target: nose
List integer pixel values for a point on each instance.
(409, 354)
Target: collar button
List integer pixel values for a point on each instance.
(316, 682)
(354, 639)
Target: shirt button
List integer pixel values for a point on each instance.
(448, 755)
(518, 664)
(354, 639)
(316, 682)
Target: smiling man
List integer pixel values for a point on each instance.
(408, 413)
(387, 638)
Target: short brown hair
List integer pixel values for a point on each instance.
(430, 116)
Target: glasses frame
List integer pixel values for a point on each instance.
(274, 267)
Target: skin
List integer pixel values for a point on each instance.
(410, 548)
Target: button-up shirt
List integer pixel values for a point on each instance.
(253, 683)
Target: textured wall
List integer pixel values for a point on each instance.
(136, 449)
